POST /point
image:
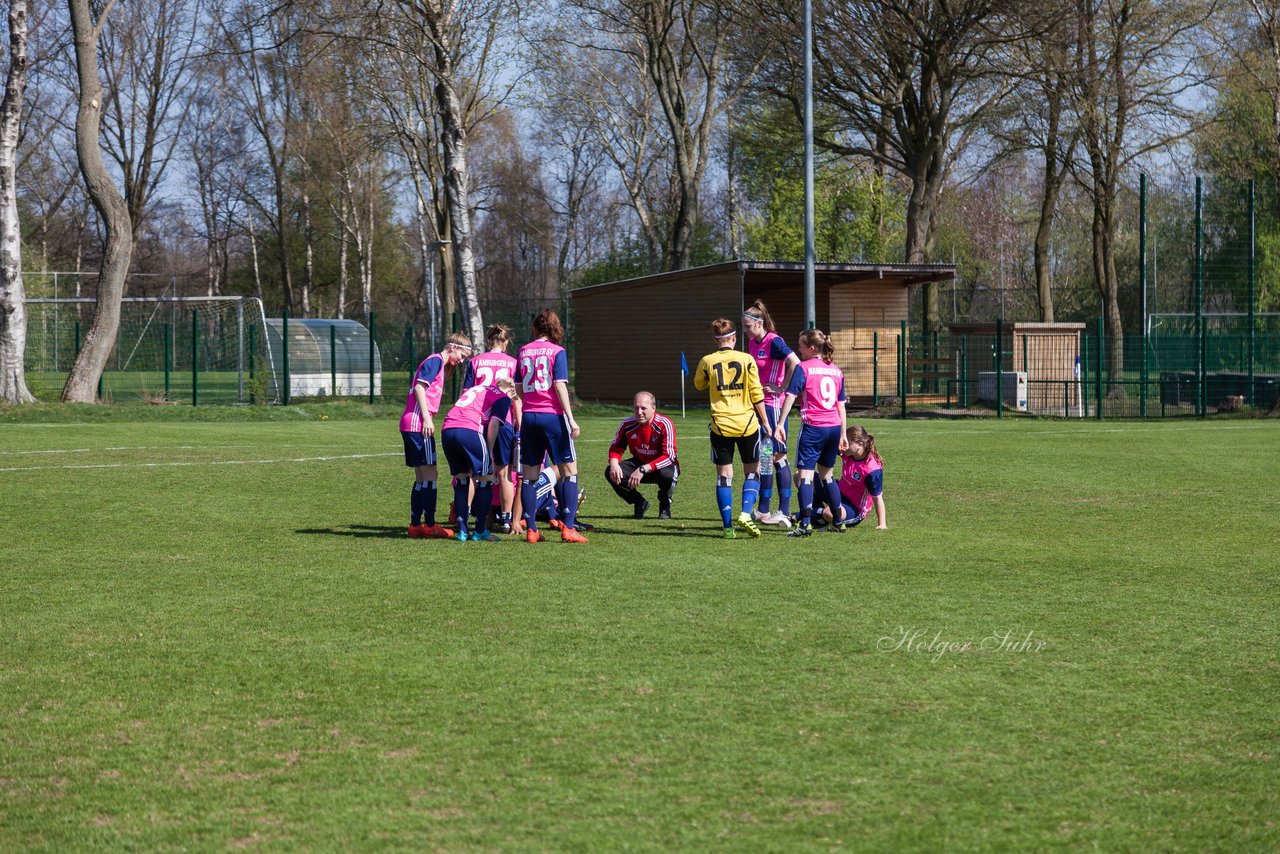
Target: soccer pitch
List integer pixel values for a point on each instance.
(216, 635)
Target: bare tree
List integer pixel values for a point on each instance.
(147, 70)
(13, 309)
(1137, 60)
(107, 201)
(257, 37)
(906, 83)
(1038, 118)
(652, 82)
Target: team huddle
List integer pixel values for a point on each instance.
(520, 406)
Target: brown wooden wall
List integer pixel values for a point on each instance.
(858, 313)
(630, 338)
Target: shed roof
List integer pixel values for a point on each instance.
(766, 274)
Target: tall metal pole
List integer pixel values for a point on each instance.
(1142, 283)
(810, 310)
(1253, 246)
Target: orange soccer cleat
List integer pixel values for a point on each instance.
(533, 537)
(569, 535)
(435, 532)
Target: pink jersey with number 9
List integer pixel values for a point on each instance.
(540, 365)
(823, 391)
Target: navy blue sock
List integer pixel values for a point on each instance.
(429, 501)
(569, 500)
(461, 504)
(415, 504)
(766, 487)
(784, 488)
(832, 490)
(529, 504)
(482, 504)
(750, 492)
(806, 500)
(724, 499)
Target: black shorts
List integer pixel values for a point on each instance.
(722, 448)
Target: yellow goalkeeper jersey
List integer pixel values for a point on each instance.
(734, 381)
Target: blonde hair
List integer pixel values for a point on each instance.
(760, 313)
(506, 386)
(817, 339)
(497, 334)
(457, 339)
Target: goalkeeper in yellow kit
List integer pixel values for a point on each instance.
(737, 411)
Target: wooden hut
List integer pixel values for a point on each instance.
(629, 335)
(1045, 352)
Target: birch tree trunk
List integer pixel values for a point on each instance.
(13, 307)
(110, 204)
(457, 181)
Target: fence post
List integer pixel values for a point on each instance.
(253, 395)
(1083, 387)
(333, 360)
(371, 322)
(964, 371)
(168, 356)
(904, 384)
(999, 360)
(195, 356)
(875, 368)
(284, 356)
(1102, 345)
(1203, 396)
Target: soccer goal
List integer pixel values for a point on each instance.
(211, 349)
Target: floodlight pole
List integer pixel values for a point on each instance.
(810, 312)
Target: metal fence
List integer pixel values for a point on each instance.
(225, 351)
(1090, 374)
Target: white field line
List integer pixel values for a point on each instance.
(695, 437)
(187, 463)
(99, 450)
(190, 463)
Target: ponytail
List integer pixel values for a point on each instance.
(760, 313)
(858, 433)
(819, 341)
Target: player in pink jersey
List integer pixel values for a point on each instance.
(547, 425)
(468, 435)
(485, 369)
(819, 385)
(862, 481)
(776, 362)
(417, 429)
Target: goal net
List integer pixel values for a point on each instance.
(168, 348)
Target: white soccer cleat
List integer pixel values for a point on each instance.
(777, 518)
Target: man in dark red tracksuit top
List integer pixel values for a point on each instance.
(651, 440)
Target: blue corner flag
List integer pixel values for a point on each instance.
(684, 366)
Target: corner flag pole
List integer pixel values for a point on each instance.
(684, 372)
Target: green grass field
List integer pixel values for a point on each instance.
(216, 635)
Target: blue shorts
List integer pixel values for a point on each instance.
(418, 449)
(768, 444)
(820, 445)
(504, 446)
(546, 433)
(466, 452)
(851, 516)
